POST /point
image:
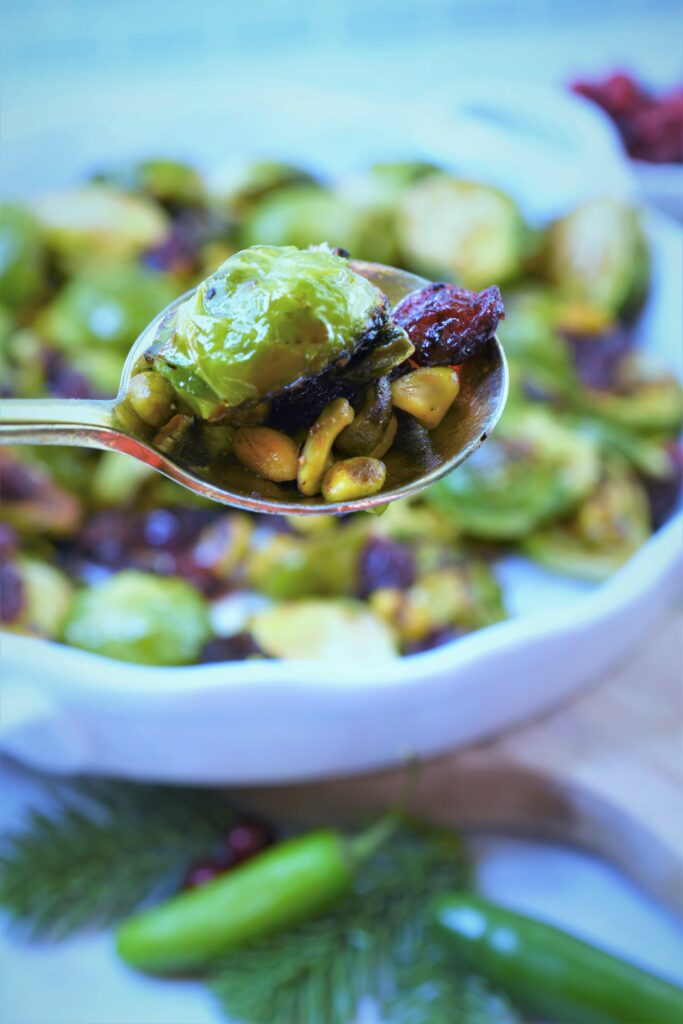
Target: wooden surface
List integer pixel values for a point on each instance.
(604, 771)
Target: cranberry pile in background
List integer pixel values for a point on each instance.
(651, 126)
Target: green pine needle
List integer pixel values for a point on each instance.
(103, 848)
(366, 946)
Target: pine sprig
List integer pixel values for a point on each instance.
(101, 849)
(321, 970)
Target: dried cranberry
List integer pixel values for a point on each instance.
(237, 647)
(64, 380)
(201, 872)
(243, 841)
(18, 482)
(8, 541)
(384, 563)
(436, 638)
(597, 357)
(663, 493)
(107, 537)
(448, 325)
(11, 592)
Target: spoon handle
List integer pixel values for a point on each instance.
(66, 421)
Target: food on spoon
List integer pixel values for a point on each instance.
(281, 340)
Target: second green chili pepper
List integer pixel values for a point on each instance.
(277, 889)
(551, 973)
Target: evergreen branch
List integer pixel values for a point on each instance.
(102, 849)
(366, 946)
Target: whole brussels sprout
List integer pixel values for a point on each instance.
(170, 182)
(98, 222)
(461, 230)
(602, 534)
(248, 184)
(599, 252)
(531, 471)
(105, 308)
(139, 617)
(22, 257)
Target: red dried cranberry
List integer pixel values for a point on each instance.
(384, 563)
(201, 872)
(243, 841)
(8, 541)
(18, 482)
(229, 648)
(11, 592)
(448, 325)
(597, 357)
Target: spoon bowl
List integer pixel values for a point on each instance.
(416, 459)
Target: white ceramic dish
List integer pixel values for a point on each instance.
(67, 711)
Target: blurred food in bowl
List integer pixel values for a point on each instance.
(583, 466)
(651, 128)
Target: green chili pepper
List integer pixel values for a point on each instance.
(550, 973)
(277, 889)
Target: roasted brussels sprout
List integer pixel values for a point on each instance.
(599, 252)
(643, 398)
(44, 597)
(267, 320)
(318, 564)
(302, 216)
(322, 629)
(170, 182)
(140, 617)
(246, 186)
(604, 531)
(98, 223)
(461, 597)
(532, 470)
(105, 307)
(22, 257)
(462, 231)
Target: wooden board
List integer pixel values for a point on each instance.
(604, 771)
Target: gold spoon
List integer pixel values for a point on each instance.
(415, 460)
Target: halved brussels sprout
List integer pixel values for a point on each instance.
(105, 307)
(599, 252)
(139, 617)
(98, 222)
(302, 216)
(268, 320)
(532, 470)
(323, 629)
(33, 502)
(645, 398)
(46, 598)
(530, 336)
(168, 181)
(462, 597)
(22, 257)
(606, 529)
(318, 564)
(247, 185)
(461, 231)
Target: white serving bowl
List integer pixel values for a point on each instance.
(246, 722)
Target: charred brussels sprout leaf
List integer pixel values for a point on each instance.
(462, 231)
(138, 617)
(22, 270)
(268, 319)
(599, 252)
(606, 529)
(531, 471)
